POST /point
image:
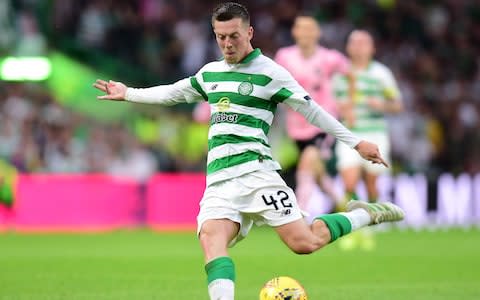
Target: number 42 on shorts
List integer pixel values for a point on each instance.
(280, 197)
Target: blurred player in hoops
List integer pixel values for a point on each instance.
(243, 185)
(376, 94)
(313, 66)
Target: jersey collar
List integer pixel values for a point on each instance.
(251, 56)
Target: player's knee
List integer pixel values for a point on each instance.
(303, 248)
(217, 232)
(207, 233)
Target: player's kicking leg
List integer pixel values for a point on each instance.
(304, 239)
(215, 236)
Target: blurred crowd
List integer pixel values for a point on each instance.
(38, 135)
(431, 46)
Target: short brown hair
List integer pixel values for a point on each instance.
(230, 10)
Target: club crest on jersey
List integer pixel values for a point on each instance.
(223, 104)
(245, 88)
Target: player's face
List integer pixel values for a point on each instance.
(306, 31)
(233, 38)
(360, 46)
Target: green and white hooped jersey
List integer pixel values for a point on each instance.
(377, 82)
(243, 99)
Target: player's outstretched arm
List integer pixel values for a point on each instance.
(114, 90)
(166, 94)
(320, 118)
(301, 102)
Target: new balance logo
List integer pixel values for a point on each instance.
(214, 87)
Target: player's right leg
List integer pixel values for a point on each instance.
(304, 239)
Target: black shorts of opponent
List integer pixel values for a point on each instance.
(315, 141)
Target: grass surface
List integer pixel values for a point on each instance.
(147, 265)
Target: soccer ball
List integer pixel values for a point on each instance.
(283, 288)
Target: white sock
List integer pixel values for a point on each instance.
(221, 289)
(358, 218)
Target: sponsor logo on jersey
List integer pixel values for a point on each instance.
(223, 104)
(224, 118)
(245, 88)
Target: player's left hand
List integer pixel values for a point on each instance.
(370, 152)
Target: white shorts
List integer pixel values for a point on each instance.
(347, 157)
(261, 197)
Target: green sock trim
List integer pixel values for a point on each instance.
(220, 268)
(351, 196)
(337, 224)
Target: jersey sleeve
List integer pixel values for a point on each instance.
(183, 91)
(289, 91)
(390, 88)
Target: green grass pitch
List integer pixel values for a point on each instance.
(147, 265)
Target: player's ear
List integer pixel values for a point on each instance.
(250, 32)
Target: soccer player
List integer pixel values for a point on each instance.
(313, 66)
(376, 93)
(243, 185)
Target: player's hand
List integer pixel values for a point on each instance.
(114, 90)
(370, 152)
